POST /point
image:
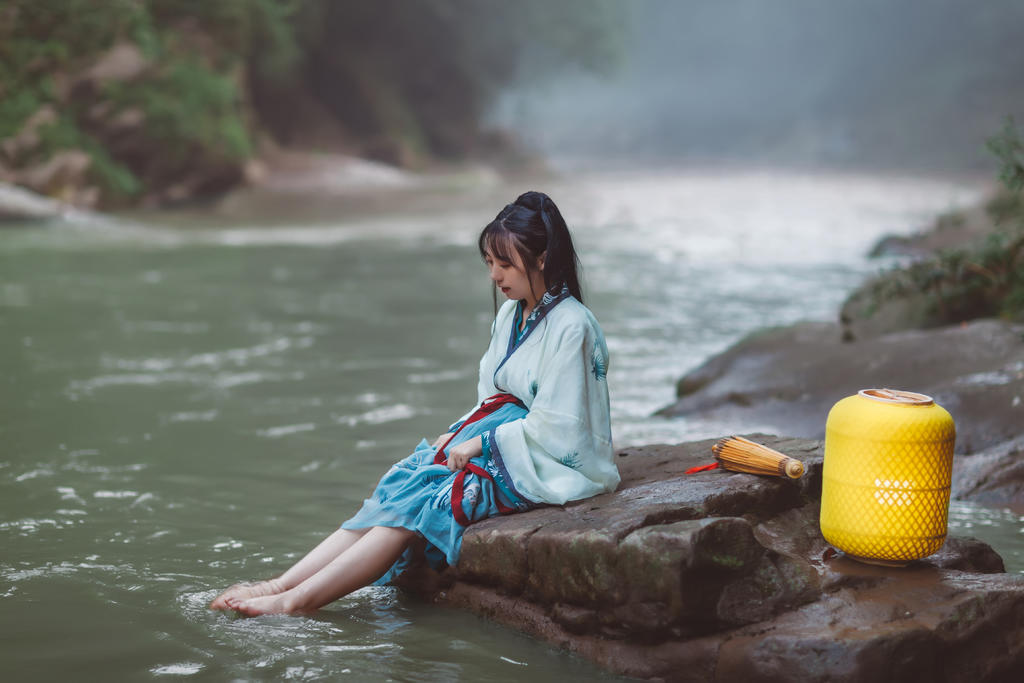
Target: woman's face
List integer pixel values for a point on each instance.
(511, 278)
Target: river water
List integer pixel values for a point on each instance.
(187, 406)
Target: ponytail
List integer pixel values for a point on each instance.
(561, 264)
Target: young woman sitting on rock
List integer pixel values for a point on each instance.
(539, 434)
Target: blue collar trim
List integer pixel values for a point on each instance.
(543, 307)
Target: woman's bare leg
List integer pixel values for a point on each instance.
(363, 562)
(315, 560)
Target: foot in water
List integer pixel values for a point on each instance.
(245, 591)
(268, 604)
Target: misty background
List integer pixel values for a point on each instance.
(912, 84)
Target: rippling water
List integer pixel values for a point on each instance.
(189, 406)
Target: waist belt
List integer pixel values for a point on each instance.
(488, 406)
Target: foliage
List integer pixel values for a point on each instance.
(188, 105)
(986, 279)
(192, 94)
(963, 284)
(1008, 147)
(245, 30)
(117, 179)
(420, 73)
(38, 43)
(1005, 206)
(424, 72)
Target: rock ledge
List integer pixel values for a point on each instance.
(719, 576)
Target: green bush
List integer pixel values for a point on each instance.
(115, 179)
(985, 279)
(192, 97)
(1008, 147)
(189, 106)
(418, 73)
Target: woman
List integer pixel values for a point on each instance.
(540, 433)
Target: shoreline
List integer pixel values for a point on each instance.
(316, 187)
(719, 576)
(791, 376)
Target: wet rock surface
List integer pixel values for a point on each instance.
(923, 292)
(952, 230)
(18, 204)
(719, 576)
(995, 477)
(785, 380)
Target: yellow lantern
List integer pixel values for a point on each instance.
(886, 478)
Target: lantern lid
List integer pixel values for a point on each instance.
(897, 396)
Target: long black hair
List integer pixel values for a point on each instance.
(531, 226)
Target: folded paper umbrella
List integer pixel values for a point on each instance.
(742, 455)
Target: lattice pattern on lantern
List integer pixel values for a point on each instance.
(896, 524)
(886, 479)
(894, 492)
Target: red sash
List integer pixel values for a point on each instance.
(458, 486)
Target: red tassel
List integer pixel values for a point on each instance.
(702, 468)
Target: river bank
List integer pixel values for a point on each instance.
(718, 576)
(792, 376)
(789, 377)
(288, 186)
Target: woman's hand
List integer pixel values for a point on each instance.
(441, 439)
(459, 455)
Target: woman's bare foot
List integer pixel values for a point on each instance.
(244, 591)
(282, 603)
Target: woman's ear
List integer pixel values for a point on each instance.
(540, 259)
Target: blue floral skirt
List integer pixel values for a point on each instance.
(416, 494)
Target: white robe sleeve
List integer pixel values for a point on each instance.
(561, 450)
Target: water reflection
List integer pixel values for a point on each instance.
(1002, 528)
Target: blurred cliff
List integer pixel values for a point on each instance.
(156, 101)
(125, 102)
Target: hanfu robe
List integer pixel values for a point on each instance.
(549, 442)
(561, 450)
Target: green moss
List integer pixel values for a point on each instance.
(61, 134)
(15, 109)
(983, 279)
(1008, 147)
(188, 106)
(730, 561)
(115, 179)
(1005, 206)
